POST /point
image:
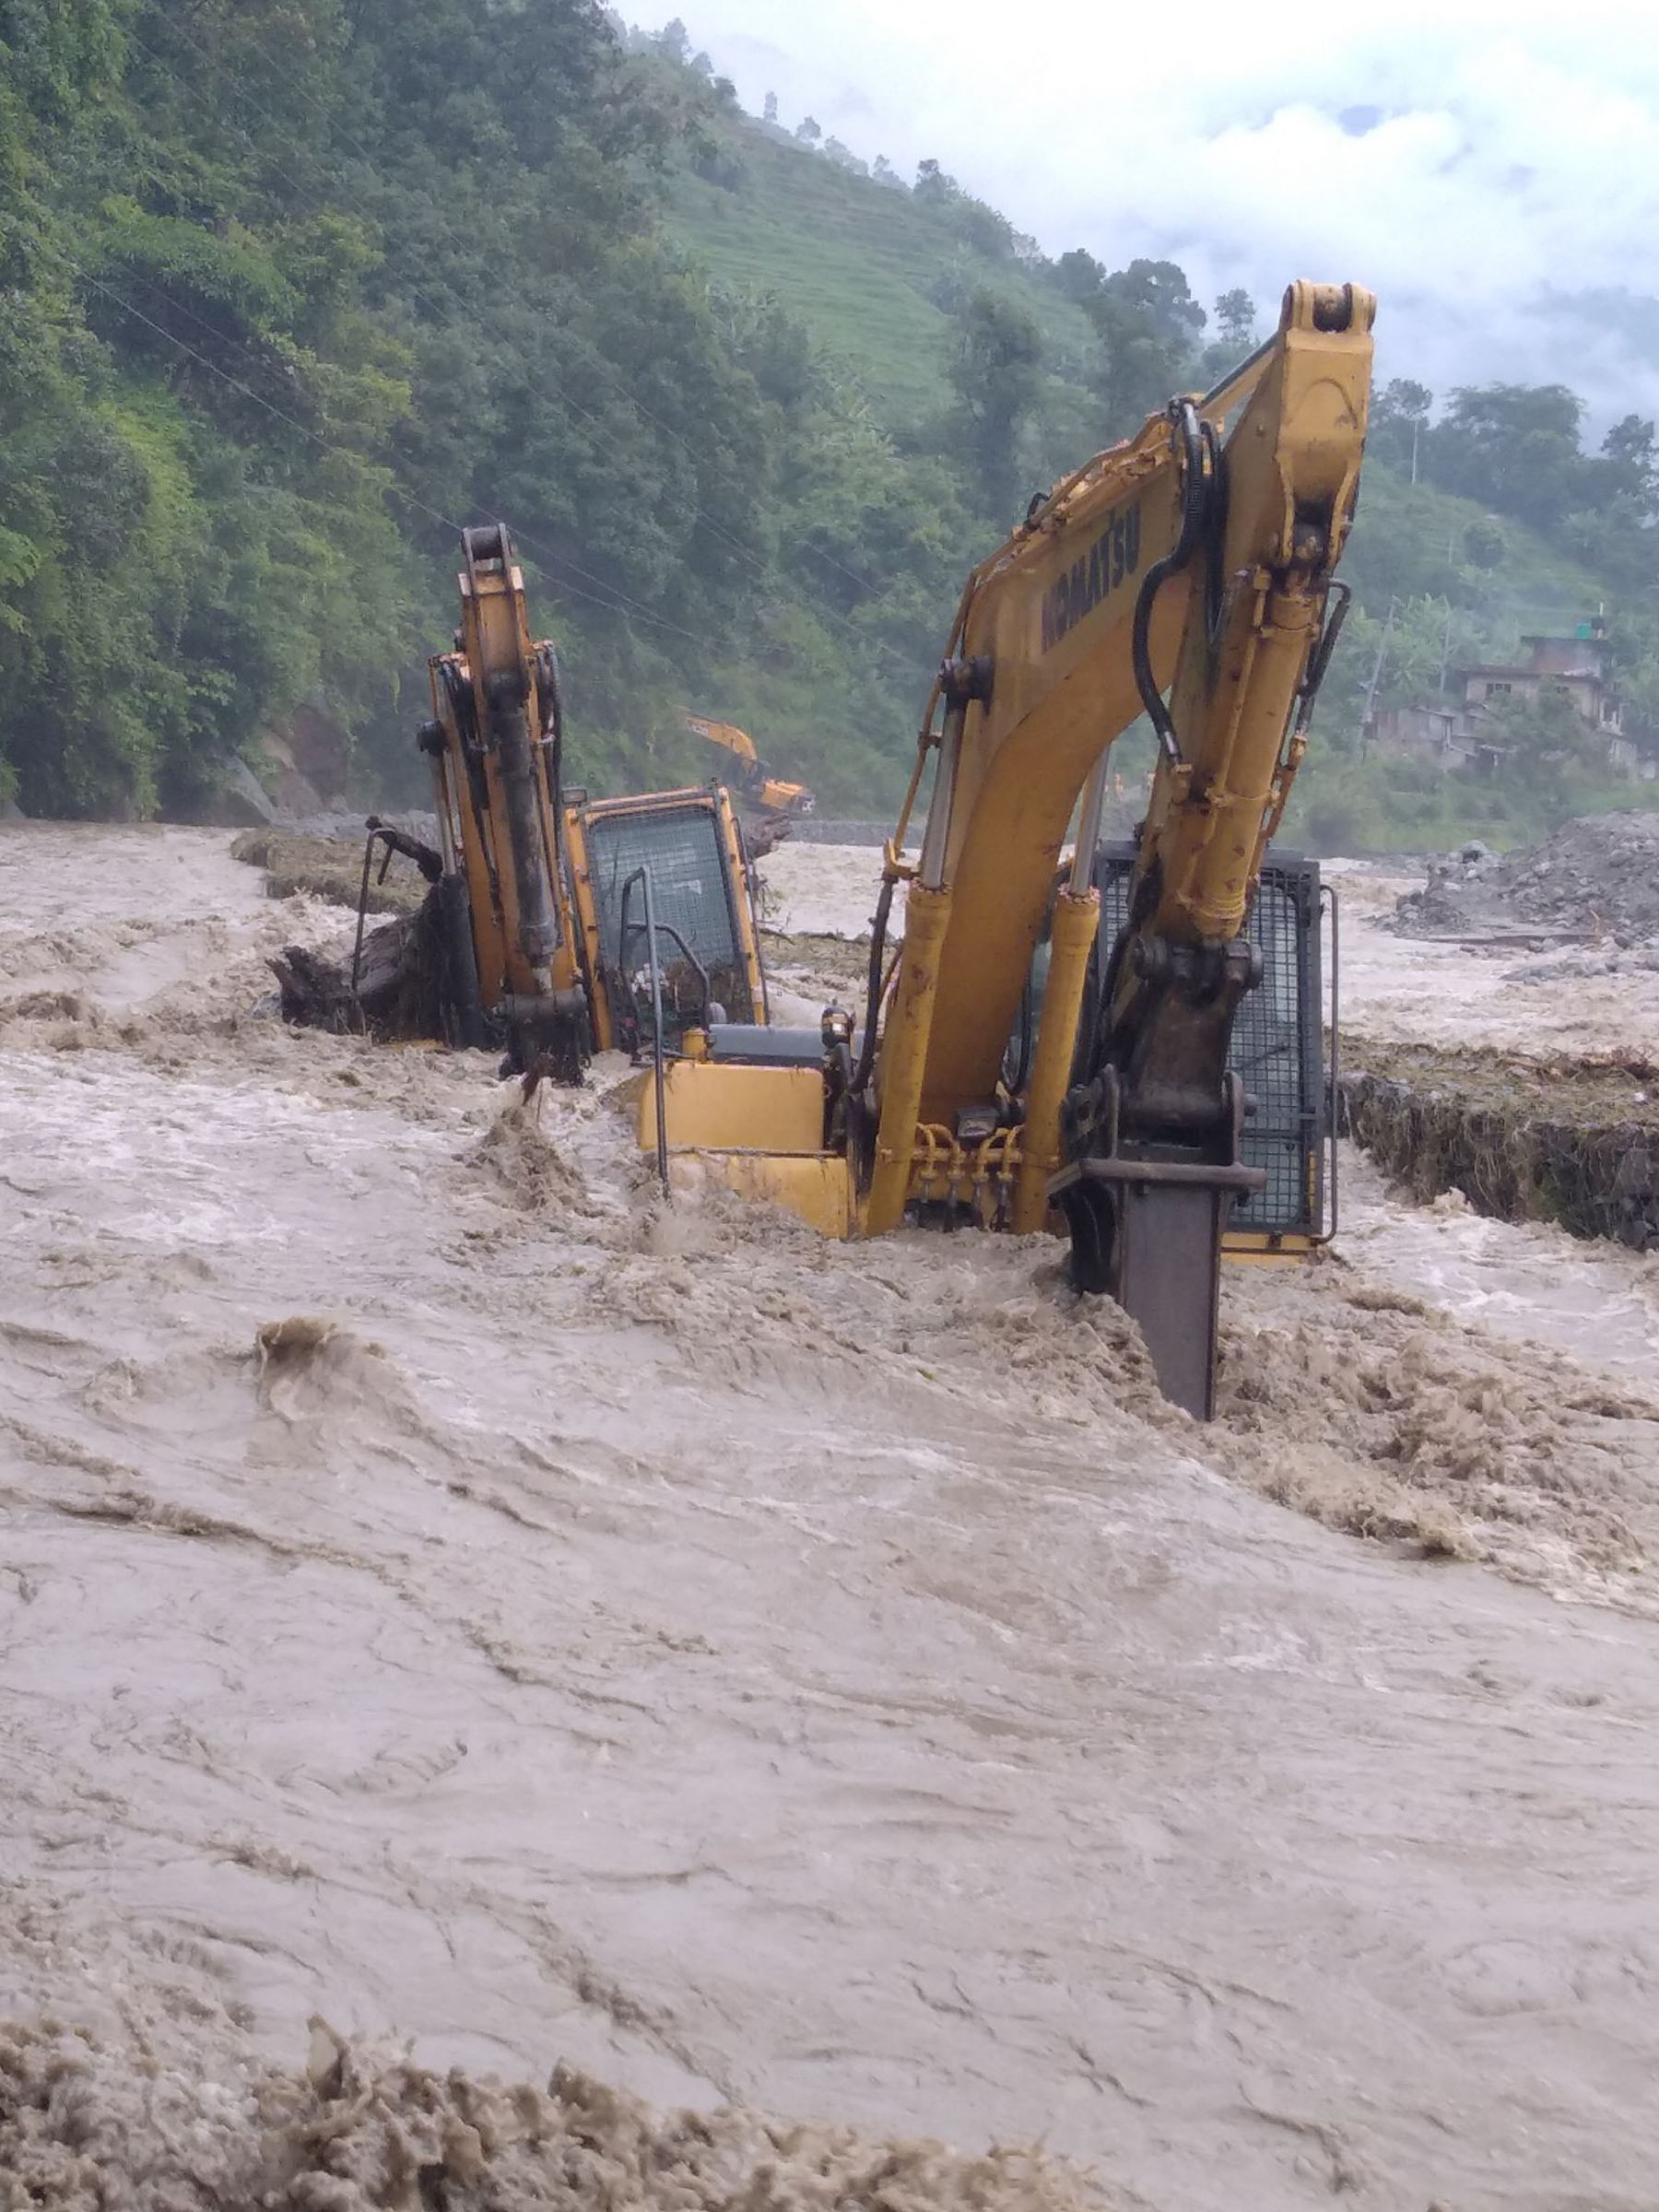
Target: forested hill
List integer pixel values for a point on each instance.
(289, 289)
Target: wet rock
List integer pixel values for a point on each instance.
(238, 801)
(330, 867)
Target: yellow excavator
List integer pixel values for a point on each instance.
(770, 793)
(1186, 574)
(567, 924)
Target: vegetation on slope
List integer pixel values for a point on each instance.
(291, 288)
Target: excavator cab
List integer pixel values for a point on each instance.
(702, 924)
(569, 925)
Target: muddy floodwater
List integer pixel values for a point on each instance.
(447, 1596)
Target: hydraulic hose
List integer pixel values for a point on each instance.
(1194, 508)
(866, 1055)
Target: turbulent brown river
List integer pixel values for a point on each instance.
(491, 1664)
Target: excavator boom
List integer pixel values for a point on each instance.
(494, 744)
(1198, 558)
(542, 902)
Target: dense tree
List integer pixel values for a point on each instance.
(291, 287)
(1618, 528)
(1148, 321)
(844, 158)
(1078, 274)
(1236, 318)
(1514, 447)
(1399, 422)
(1235, 328)
(996, 367)
(932, 187)
(1158, 290)
(303, 285)
(1548, 750)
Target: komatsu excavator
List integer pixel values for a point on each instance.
(770, 793)
(1188, 574)
(555, 911)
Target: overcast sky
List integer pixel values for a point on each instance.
(1469, 161)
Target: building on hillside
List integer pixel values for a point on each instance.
(1439, 729)
(1577, 667)
(1457, 727)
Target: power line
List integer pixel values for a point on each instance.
(622, 601)
(337, 452)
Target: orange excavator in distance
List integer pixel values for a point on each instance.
(770, 794)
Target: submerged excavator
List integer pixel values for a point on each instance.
(566, 925)
(554, 925)
(1014, 1064)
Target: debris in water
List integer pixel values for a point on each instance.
(1595, 879)
(84, 2130)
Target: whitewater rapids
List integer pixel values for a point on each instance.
(446, 1597)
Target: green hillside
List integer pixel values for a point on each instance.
(863, 264)
(1441, 579)
(1414, 540)
(291, 289)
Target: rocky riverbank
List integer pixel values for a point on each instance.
(1596, 879)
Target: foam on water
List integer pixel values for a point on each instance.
(447, 1596)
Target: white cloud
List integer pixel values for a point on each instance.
(1464, 159)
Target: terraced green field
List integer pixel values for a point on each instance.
(860, 263)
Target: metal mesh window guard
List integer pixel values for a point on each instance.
(688, 881)
(1277, 1044)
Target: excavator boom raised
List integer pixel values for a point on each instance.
(1196, 559)
(543, 902)
(494, 744)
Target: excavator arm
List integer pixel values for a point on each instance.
(543, 902)
(494, 744)
(1196, 561)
